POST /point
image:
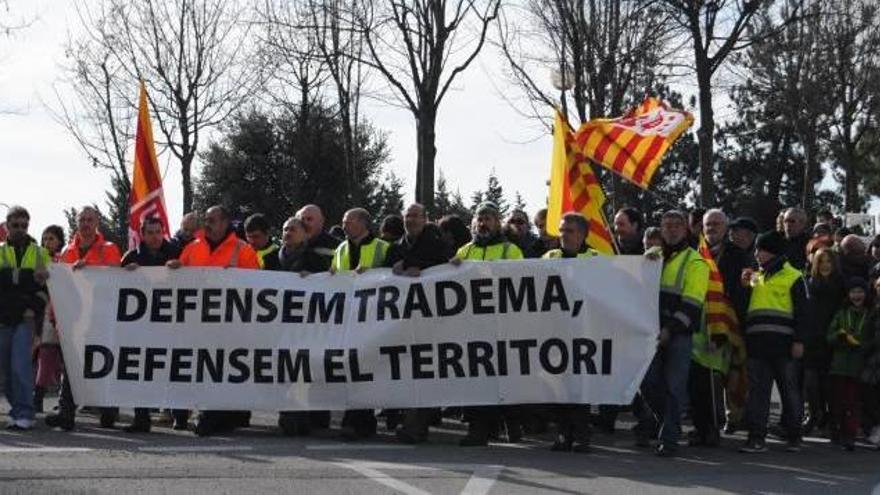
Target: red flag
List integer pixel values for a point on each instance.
(147, 198)
(632, 146)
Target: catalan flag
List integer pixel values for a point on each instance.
(575, 187)
(633, 146)
(720, 317)
(146, 198)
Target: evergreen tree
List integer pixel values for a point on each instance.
(518, 202)
(495, 193)
(389, 197)
(442, 197)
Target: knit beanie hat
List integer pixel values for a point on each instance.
(772, 242)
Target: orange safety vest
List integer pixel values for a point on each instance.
(100, 253)
(231, 253)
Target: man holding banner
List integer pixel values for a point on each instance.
(489, 244)
(683, 285)
(219, 248)
(572, 420)
(87, 248)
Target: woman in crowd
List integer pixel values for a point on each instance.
(48, 359)
(826, 288)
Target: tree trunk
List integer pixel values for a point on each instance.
(851, 186)
(186, 172)
(426, 122)
(705, 134)
(811, 167)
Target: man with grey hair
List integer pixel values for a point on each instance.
(794, 225)
(360, 252)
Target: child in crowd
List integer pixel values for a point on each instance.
(845, 335)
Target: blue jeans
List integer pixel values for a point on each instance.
(16, 368)
(665, 389)
(762, 373)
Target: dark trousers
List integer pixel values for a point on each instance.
(295, 422)
(417, 421)
(706, 391)
(665, 390)
(483, 421)
(67, 406)
(762, 373)
(871, 405)
(817, 388)
(362, 421)
(846, 408)
(572, 422)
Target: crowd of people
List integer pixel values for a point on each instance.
(804, 299)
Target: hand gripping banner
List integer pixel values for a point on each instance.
(534, 331)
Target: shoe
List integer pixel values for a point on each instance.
(137, 427)
(514, 433)
(473, 441)
(561, 445)
(64, 421)
(108, 420)
(793, 445)
(666, 450)
(754, 446)
(205, 427)
(20, 424)
(696, 439)
(874, 437)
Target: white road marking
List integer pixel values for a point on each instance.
(198, 448)
(801, 471)
(384, 479)
(617, 450)
(359, 446)
(99, 436)
(482, 480)
(814, 480)
(43, 450)
(697, 461)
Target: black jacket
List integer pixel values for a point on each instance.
(797, 251)
(144, 257)
(425, 251)
(316, 255)
(19, 295)
(731, 261)
(827, 296)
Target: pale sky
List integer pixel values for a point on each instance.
(45, 171)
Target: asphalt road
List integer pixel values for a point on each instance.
(259, 460)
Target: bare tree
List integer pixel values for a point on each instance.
(93, 103)
(602, 52)
(314, 40)
(420, 47)
(715, 29)
(193, 56)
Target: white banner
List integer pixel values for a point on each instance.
(533, 331)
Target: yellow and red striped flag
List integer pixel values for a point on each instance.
(575, 187)
(720, 317)
(146, 198)
(632, 146)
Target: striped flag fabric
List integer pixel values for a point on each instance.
(574, 186)
(633, 146)
(720, 317)
(147, 198)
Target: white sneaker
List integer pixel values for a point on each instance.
(20, 424)
(874, 437)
